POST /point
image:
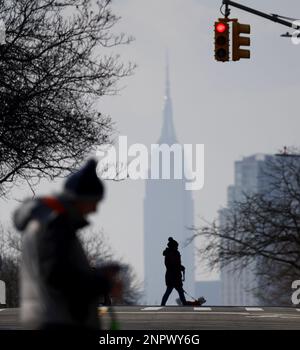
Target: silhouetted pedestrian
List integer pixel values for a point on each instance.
(174, 271)
(59, 288)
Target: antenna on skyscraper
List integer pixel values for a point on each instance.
(167, 92)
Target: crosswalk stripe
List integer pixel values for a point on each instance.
(298, 310)
(254, 309)
(152, 308)
(202, 308)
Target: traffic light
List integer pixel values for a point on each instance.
(222, 41)
(238, 40)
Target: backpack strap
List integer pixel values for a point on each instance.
(54, 204)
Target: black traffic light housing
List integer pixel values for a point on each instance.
(238, 40)
(222, 42)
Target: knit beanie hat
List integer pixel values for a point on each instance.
(85, 184)
(172, 243)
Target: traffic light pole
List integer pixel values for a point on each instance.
(274, 18)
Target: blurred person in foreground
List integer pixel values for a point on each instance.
(59, 288)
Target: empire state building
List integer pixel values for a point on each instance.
(168, 211)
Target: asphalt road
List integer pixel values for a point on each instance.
(187, 318)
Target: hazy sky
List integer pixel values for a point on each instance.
(235, 109)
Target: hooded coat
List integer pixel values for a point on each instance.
(173, 264)
(58, 285)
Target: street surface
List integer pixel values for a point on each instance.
(187, 318)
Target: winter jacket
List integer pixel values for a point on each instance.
(58, 286)
(173, 264)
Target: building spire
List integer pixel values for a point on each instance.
(168, 131)
(167, 88)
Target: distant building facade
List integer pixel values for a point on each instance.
(168, 211)
(237, 286)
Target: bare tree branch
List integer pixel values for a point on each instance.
(54, 67)
(262, 228)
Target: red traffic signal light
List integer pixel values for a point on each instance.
(222, 41)
(221, 27)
